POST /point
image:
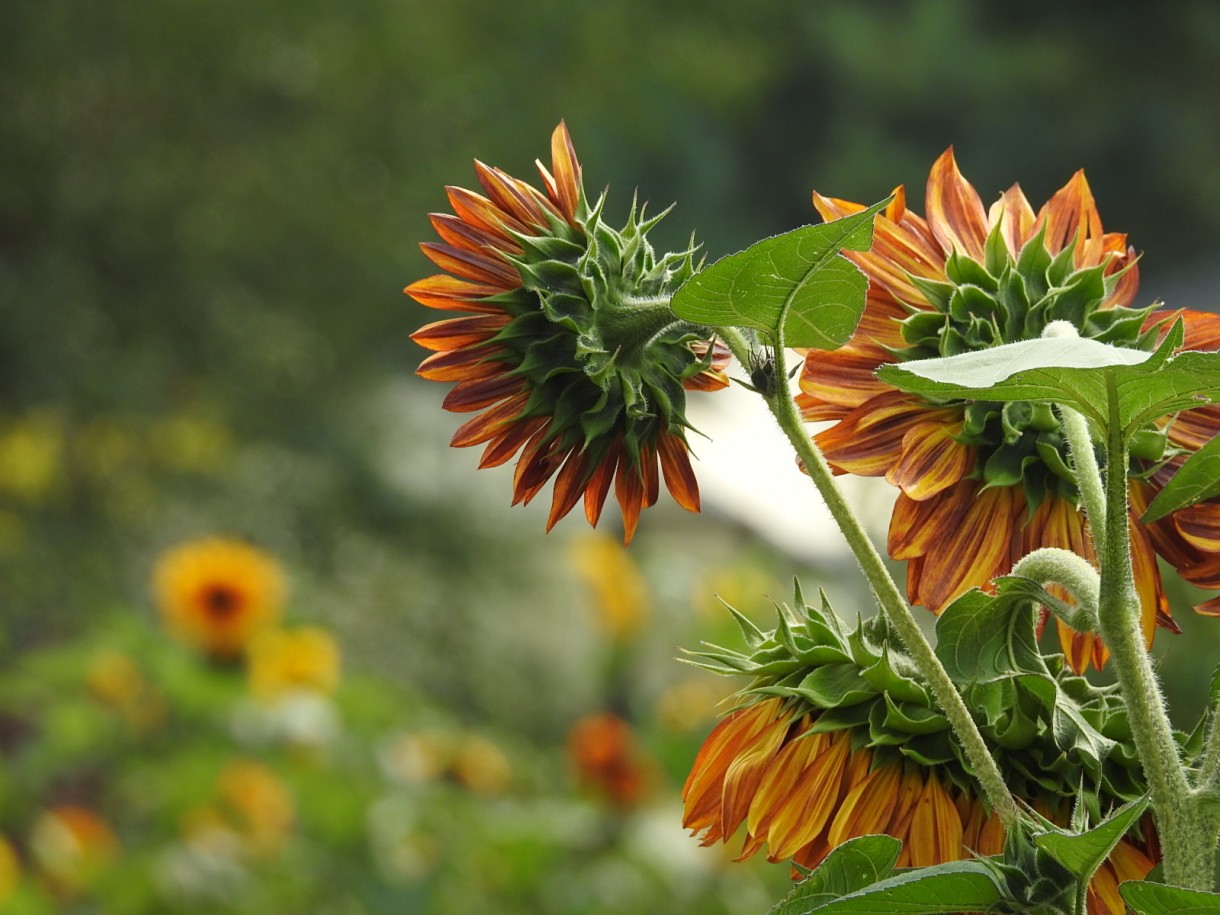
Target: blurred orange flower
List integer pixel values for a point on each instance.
(252, 803)
(609, 759)
(70, 845)
(216, 594)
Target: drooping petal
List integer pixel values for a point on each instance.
(936, 828)
(799, 819)
(972, 552)
(932, 460)
(489, 424)
(679, 477)
(868, 807)
(467, 396)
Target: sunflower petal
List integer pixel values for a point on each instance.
(955, 212)
(932, 460)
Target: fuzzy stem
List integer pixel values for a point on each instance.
(1181, 825)
(891, 600)
(1051, 564)
(1080, 444)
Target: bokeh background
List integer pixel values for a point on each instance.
(207, 214)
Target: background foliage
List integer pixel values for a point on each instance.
(207, 213)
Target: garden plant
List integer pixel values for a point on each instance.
(1049, 436)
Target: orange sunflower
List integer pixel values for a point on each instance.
(801, 792)
(567, 344)
(982, 484)
(217, 594)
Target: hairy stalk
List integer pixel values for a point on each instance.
(888, 595)
(1187, 846)
(1063, 567)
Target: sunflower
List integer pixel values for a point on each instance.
(216, 594)
(982, 484)
(566, 342)
(838, 736)
(800, 792)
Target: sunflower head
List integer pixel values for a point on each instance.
(837, 736)
(568, 345)
(216, 594)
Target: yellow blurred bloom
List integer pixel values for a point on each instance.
(283, 660)
(10, 869)
(115, 681)
(253, 803)
(481, 765)
(619, 591)
(31, 456)
(216, 594)
(70, 845)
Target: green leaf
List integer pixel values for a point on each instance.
(957, 886)
(1158, 899)
(982, 637)
(1082, 853)
(854, 865)
(1196, 480)
(1075, 372)
(796, 280)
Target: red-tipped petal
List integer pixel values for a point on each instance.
(451, 294)
(629, 491)
(459, 333)
(472, 265)
(479, 211)
(463, 364)
(462, 234)
(679, 476)
(469, 396)
(569, 486)
(489, 424)
(932, 460)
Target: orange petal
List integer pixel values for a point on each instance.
(472, 265)
(477, 210)
(847, 376)
(917, 528)
(1199, 526)
(955, 212)
(459, 333)
(932, 460)
(868, 807)
(936, 828)
(569, 486)
(1015, 217)
(468, 396)
(511, 195)
(679, 476)
(471, 237)
(798, 820)
(1071, 215)
(868, 441)
(599, 484)
(463, 364)
(451, 294)
(501, 450)
(567, 172)
(488, 425)
(972, 553)
(629, 491)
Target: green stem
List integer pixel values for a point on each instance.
(889, 597)
(1051, 564)
(1187, 846)
(1208, 777)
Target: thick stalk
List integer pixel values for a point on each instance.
(888, 596)
(1182, 827)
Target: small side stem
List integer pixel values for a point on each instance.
(1187, 846)
(1051, 564)
(890, 598)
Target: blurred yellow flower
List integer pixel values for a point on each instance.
(115, 681)
(284, 660)
(481, 765)
(10, 869)
(619, 591)
(31, 456)
(71, 844)
(216, 594)
(251, 803)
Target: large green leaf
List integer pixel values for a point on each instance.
(957, 886)
(1074, 372)
(796, 280)
(1082, 853)
(1158, 899)
(855, 864)
(982, 637)
(1196, 480)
